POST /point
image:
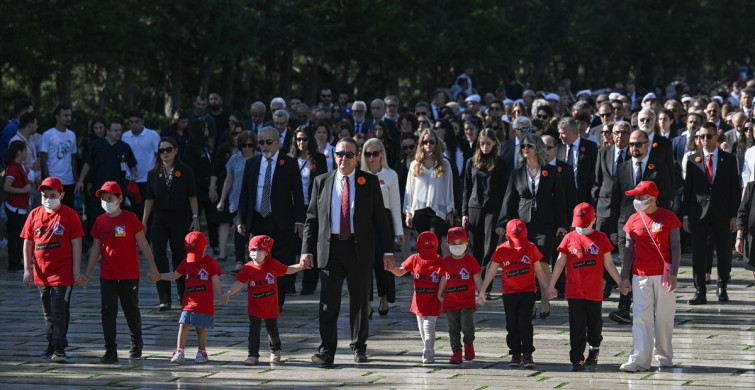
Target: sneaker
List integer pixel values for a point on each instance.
(527, 360)
(275, 356)
(516, 360)
(47, 353)
(110, 357)
(456, 358)
(579, 366)
(592, 357)
(135, 352)
(58, 355)
(469, 351)
(178, 357)
(665, 362)
(251, 361)
(632, 367)
(239, 266)
(201, 357)
(428, 356)
(621, 316)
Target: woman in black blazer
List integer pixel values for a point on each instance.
(485, 180)
(536, 195)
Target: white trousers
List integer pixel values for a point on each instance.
(426, 325)
(653, 322)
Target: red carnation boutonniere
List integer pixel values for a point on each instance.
(698, 159)
(582, 149)
(655, 145)
(382, 182)
(720, 131)
(281, 162)
(560, 169)
(361, 181)
(177, 174)
(651, 166)
(312, 167)
(545, 173)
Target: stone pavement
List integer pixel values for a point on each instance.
(714, 346)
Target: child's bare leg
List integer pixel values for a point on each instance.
(183, 335)
(202, 338)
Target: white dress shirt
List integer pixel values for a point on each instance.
(748, 170)
(335, 202)
(391, 197)
(261, 181)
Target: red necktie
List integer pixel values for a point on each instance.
(345, 231)
(709, 166)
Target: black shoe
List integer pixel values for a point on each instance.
(47, 353)
(723, 296)
(58, 355)
(222, 259)
(163, 307)
(370, 316)
(580, 366)
(534, 313)
(488, 296)
(699, 298)
(110, 357)
(290, 290)
(592, 357)
(545, 314)
(324, 360)
(360, 357)
(382, 311)
(135, 352)
(621, 316)
(306, 291)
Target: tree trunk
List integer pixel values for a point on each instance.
(63, 86)
(286, 65)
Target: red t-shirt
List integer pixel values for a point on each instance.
(517, 267)
(261, 287)
(426, 275)
(199, 296)
(584, 264)
(52, 234)
(647, 260)
(460, 286)
(119, 258)
(17, 172)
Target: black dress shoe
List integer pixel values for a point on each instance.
(383, 311)
(699, 298)
(723, 296)
(371, 311)
(324, 360)
(306, 291)
(360, 357)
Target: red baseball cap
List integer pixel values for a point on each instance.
(111, 187)
(52, 183)
(516, 232)
(644, 188)
(261, 242)
(456, 233)
(427, 245)
(583, 215)
(195, 244)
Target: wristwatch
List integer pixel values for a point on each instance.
(194, 216)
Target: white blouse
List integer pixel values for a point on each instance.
(426, 190)
(391, 197)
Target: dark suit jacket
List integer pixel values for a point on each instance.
(570, 189)
(370, 222)
(602, 190)
(588, 157)
(622, 205)
(366, 126)
(596, 131)
(519, 200)
(660, 150)
(286, 145)
(286, 196)
(679, 148)
(321, 166)
(719, 200)
(508, 151)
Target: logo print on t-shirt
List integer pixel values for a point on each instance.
(58, 229)
(526, 260)
(593, 249)
(120, 231)
(435, 277)
(464, 274)
(270, 279)
(656, 227)
(203, 274)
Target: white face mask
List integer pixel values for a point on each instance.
(257, 255)
(641, 205)
(51, 203)
(584, 231)
(457, 250)
(109, 207)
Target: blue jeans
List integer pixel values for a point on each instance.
(56, 301)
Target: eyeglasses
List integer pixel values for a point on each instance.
(495, 108)
(407, 147)
(348, 155)
(302, 140)
(420, 113)
(543, 117)
(266, 141)
(748, 128)
(604, 132)
(235, 133)
(246, 146)
(704, 136)
(605, 115)
(358, 111)
(525, 129)
(375, 108)
(620, 133)
(637, 144)
(424, 123)
(526, 146)
(169, 149)
(643, 120)
(428, 142)
(372, 154)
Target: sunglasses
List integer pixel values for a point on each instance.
(704, 136)
(605, 132)
(266, 141)
(348, 155)
(424, 123)
(620, 133)
(543, 117)
(235, 133)
(246, 146)
(495, 108)
(407, 147)
(428, 142)
(636, 144)
(372, 154)
(525, 129)
(643, 120)
(526, 146)
(604, 115)
(302, 140)
(420, 113)
(169, 149)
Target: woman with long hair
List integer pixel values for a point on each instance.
(222, 155)
(536, 195)
(178, 129)
(375, 162)
(172, 209)
(18, 188)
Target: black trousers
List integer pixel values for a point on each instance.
(283, 249)
(384, 280)
(425, 220)
(255, 326)
(210, 214)
(343, 264)
(585, 326)
(16, 223)
(127, 291)
(519, 332)
(718, 229)
(56, 302)
(169, 228)
(482, 237)
(70, 197)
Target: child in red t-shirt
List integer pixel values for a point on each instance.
(17, 186)
(115, 236)
(460, 281)
(261, 275)
(584, 254)
(202, 283)
(425, 266)
(52, 234)
(518, 259)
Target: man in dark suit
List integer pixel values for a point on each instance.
(713, 112)
(510, 149)
(285, 135)
(272, 202)
(712, 190)
(580, 154)
(606, 115)
(659, 146)
(361, 125)
(345, 221)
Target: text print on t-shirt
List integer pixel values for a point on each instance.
(592, 249)
(269, 279)
(584, 263)
(518, 272)
(202, 274)
(463, 275)
(434, 277)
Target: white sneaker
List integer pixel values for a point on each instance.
(428, 356)
(201, 357)
(275, 356)
(632, 367)
(178, 357)
(665, 363)
(251, 361)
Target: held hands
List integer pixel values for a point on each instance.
(481, 299)
(225, 298)
(153, 276)
(626, 286)
(389, 262)
(306, 261)
(551, 292)
(81, 281)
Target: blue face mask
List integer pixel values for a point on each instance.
(584, 231)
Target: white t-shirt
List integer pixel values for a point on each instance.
(144, 147)
(59, 147)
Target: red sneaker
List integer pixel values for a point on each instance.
(456, 358)
(469, 351)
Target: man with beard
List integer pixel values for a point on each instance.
(200, 113)
(218, 113)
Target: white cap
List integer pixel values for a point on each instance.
(614, 96)
(519, 101)
(649, 96)
(552, 96)
(507, 101)
(686, 99)
(473, 98)
(719, 99)
(584, 91)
